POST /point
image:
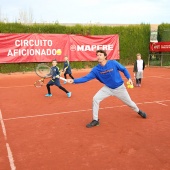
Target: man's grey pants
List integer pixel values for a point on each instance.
(120, 92)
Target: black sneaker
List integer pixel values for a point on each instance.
(142, 114)
(93, 123)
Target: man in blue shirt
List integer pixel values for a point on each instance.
(107, 72)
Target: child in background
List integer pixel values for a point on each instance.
(138, 69)
(67, 69)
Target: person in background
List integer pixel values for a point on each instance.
(67, 69)
(138, 69)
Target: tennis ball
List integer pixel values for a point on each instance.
(131, 86)
(128, 83)
(58, 51)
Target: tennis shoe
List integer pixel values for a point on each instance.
(48, 95)
(142, 114)
(93, 123)
(69, 94)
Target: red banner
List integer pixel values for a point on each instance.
(160, 47)
(16, 48)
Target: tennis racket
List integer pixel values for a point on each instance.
(43, 71)
(39, 83)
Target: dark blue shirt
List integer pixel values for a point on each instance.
(55, 71)
(68, 67)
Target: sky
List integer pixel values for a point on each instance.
(86, 11)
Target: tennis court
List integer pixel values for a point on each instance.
(39, 133)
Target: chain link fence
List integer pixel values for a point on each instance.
(159, 59)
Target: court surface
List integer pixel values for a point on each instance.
(40, 133)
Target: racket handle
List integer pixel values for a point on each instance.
(42, 80)
(63, 79)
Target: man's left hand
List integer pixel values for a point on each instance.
(130, 81)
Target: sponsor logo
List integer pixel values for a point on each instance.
(108, 47)
(58, 52)
(106, 71)
(45, 50)
(73, 48)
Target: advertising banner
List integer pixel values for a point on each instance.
(160, 47)
(17, 48)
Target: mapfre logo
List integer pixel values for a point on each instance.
(73, 48)
(108, 47)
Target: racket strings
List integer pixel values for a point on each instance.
(39, 83)
(43, 70)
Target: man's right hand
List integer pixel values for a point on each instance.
(70, 81)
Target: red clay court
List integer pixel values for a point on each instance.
(39, 133)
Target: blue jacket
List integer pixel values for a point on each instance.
(108, 74)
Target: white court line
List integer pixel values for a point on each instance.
(3, 126)
(50, 114)
(16, 86)
(160, 76)
(10, 157)
(163, 101)
(75, 111)
(156, 76)
(88, 82)
(161, 104)
(157, 101)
